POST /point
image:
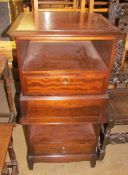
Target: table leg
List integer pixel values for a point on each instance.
(14, 164)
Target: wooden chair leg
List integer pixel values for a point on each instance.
(8, 91)
(14, 170)
(14, 164)
(5, 170)
(9, 95)
(104, 139)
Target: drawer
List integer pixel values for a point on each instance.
(62, 148)
(63, 84)
(62, 139)
(57, 109)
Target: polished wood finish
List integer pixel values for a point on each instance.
(76, 57)
(74, 109)
(65, 59)
(6, 146)
(74, 26)
(65, 140)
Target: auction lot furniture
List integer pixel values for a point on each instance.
(64, 65)
(6, 146)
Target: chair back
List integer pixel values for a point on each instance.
(58, 5)
(100, 6)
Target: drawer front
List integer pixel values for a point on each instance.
(64, 108)
(62, 139)
(64, 84)
(62, 148)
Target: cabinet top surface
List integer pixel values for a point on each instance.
(62, 24)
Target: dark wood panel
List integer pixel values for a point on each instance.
(64, 24)
(106, 50)
(80, 55)
(62, 120)
(77, 108)
(62, 132)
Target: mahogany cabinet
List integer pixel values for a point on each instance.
(65, 59)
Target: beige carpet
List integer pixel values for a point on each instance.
(114, 163)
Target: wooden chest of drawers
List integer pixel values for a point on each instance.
(64, 70)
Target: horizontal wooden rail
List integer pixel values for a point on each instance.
(101, 10)
(55, 3)
(60, 10)
(101, 3)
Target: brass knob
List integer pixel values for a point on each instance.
(65, 80)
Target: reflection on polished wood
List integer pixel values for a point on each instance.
(63, 24)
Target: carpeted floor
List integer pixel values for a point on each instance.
(114, 163)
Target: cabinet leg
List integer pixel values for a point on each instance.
(93, 163)
(30, 162)
(101, 155)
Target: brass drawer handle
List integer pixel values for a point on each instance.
(65, 80)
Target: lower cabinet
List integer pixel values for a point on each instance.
(62, 129)
(59, 142)
(62, 139)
